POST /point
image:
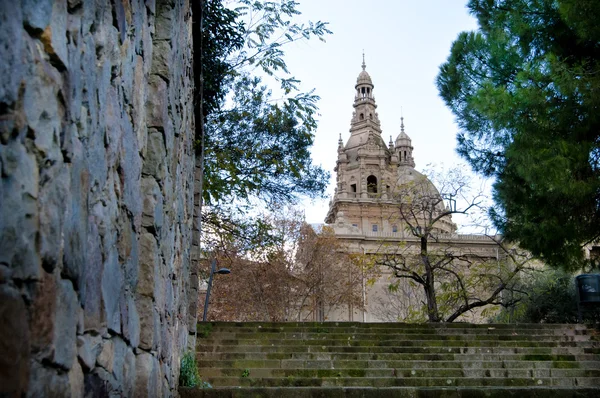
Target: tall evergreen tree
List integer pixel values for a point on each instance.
(525, 89)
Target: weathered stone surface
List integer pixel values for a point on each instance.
(152, 215)
(92, 299)
(52, 198)
(76, 381)
(120, 352)
(65, 329)
(130, 320)
(112, 282)
(147, 380)
(76, 227)
(139, 103)
(148, 265)
(129, 373)
(11, 46)
(106, 357)
(95, 385)
(149, 323)
(88, 349)
(19, 211)
(161, 59)
(47, 382)
(156, 103)
(92, 253)
(43, 311)
(54, 36)
(14, 343)
(36, 13)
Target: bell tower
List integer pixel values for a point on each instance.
(365, 165)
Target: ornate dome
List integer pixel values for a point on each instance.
(417, 190)
(403, 140)
(364, 78)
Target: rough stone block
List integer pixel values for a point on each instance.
(54, 36)
(129, 373)
(65, 328)
(11, 46)
(53, 198)
(88, 348)
(152, 214)
(47, 382)
(147, 378)
(43, 312)
(139, 103)
(94, 270)
(148, 265)
(19, 211)
(112, 283)
(156, 103)
(106, 357)
(36, 13)
(130, 320)
(161, 60)
(76, 220)
(14, 343)
(76, 381)
(149, 323)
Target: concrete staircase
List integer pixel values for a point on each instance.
(398, 360)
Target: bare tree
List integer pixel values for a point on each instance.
(329, 279)
(455, 279)
(298, 274)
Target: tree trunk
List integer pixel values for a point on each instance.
(429, 286)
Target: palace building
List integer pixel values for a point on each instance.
(365, 210)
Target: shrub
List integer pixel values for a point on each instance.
(548, 297)
(188, 374)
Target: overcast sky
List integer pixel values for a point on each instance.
(405, 42)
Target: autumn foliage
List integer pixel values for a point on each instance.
(305, 275)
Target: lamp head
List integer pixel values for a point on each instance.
(223, 271)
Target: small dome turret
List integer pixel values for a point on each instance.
(363, 77)
(404, 147)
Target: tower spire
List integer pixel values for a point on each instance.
(364, 66)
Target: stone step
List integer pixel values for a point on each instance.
(402, 381)
(557, 354)
(390, 334)
(397, 372)
(482, 341)
(382, 325)
(391, 392)
(378, 364)
(402, 349)
(404, 358)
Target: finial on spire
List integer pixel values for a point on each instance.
(402, 124)
(340, 142)
(364, 66)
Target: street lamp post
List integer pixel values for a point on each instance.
(221, 271)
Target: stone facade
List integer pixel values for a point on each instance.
(96, 196)
(364, 209)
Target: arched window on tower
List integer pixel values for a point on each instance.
(404, 155)
(362, 116)
(371, 116)
(371, 184)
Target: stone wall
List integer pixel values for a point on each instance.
(96, 196)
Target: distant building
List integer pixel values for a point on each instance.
(364, 207)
